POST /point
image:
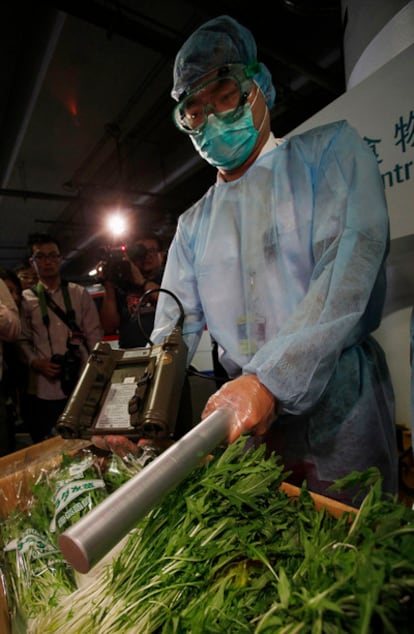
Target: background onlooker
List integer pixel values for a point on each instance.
(26, 274)
(125, 282)
(10, 328)
(14, 371)
(60, 327)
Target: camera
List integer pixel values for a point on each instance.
(114, 266)
(70, 368)
(137, 251)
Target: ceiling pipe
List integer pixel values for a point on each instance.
(32, 66)
(155, 37)
(25, 194)
(85, 192)
(115, 22)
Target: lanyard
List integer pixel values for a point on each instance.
(40, 292)
(68, 305)
(68, 318)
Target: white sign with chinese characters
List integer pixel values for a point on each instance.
(381, 108)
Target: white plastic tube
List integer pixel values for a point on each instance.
(94, 535)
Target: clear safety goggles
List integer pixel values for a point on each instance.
(223, 95)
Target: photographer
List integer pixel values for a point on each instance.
(60, 325)
(125, 280)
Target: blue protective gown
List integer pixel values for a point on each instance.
(286, 268)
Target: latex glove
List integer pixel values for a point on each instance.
(117, 444)
(123, 446)
(253, 405)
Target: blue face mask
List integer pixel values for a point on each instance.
(227, 145)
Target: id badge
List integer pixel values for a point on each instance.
(251, 333)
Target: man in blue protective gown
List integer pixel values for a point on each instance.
(283, 259)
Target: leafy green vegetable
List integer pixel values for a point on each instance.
(77, 488)
(228, 551)
(35, 572)
(119, 470)
(37, 576)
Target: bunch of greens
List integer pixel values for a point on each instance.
(77, 489)
(228, 551)
(119, 469)
(36, 574)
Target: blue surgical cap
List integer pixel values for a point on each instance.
(218, 42)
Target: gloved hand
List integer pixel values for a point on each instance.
(116, 444)
(124, 446)
(253, 405)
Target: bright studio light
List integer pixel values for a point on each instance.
(117, 225)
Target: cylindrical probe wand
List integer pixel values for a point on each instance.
(94, 535)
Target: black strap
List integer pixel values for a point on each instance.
(68, 318)
(68, 305)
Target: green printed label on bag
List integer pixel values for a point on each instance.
(32, 542)
(69, 492)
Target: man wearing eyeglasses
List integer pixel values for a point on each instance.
(284, 259)
(46, 335)
(121, 309)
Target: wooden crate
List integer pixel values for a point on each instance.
(17, 471)
(333, 507)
